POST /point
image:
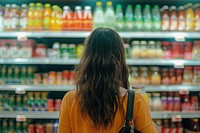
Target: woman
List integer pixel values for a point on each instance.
(99, 103)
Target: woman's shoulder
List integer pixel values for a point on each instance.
(70, 95)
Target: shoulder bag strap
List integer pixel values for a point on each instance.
(130, 106)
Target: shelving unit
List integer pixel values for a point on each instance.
(64, 88)
(55, 115)
(60, 61)
(84, 34)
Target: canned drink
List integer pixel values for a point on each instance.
(31, 128)
(64, 51)
(79, 50)
(40, 128)
(52, 77)
(57, 104)
(71, 50)
(66, 75)
(45, 78)
(59, 78)
(50, 105)
(72, 79)
(37, 78)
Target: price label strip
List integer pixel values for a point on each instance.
(20, 91)
(176, 118)
(22, 37)
(180, 38)
(179, 64)
(20, 118)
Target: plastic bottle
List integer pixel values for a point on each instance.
(138, 18)
(77, 18)
(56, 18)
(38, 17)
(55, 127)
(189, 17)
(110, 15)
(30, 16)
(98, 17)
(56, 50)
(181, 18)
(47, 16)
(147, 19)
(23, 22)
(156, 18)
(129, 18)
(165, 18)
(67, 18)
(1, 18)
(173, 19)
(87, 18)
(14, 16)
(197, 17)
(119, 25)
(7, 19)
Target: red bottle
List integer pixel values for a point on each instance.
(87, 18)
(165, 128)
(67, 23)
(172, 128)
(78, 19)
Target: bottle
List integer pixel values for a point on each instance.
(30, 16)
(1, 18)
(189, 17)
(38, 17)
(56, 50)
(156, 18)
(56, 18)
(55, 127)
(110, 16)
(23, 17)
(179, 128)
(165, 18)
(173, 19)
(119, 25)
(197, 17)
(67, 18)
(47, 16)
(172, 127)
(147, 19)
(14, 16)
(138, 18)
(129, 19)
(98, 18)
(77, 18)
(87, 19)
(165, 128)
(181, 18)
(7, 19)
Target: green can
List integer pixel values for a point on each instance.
(72, 51)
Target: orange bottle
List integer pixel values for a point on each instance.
(38, 17)
(77, 18)
(47, 16)
(67, 21)
(87, 18)
(56, 18)
(189, 17)
(30, 16)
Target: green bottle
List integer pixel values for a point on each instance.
(129, 18)
(147, 19)
(138, 18)
(5, 126)
(119, 25)
(156, 18)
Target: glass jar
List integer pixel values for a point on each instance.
(155, 76)
(188, 75)
(159, 52)
(144, 76)
(156, 102)
(144, 49)
(196, 50)
(196, 79)
(172, 76)
(152, 49)
(135, 51)
(165, 76)
(134, 76)
(166, 47)
(179, 76)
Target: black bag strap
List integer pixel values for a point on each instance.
(130, 106)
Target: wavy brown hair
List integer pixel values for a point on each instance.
(100, 74)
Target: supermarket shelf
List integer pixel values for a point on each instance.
(83, 34)
(148, 88)
(60, 61)
(55, 115)
(37, 87)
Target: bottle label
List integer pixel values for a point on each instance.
(147, 25)
(189, 24)
(23, 23)
(1, 23)
(156, 25)
(120, 25)
(138, 25)
(129, 25)
(197, 25)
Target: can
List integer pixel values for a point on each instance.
(72, 79)
(57, 104)
(40, 128)
(50, 105)
(79, 50)
(45, 78)
(64, 51)
(52, 77)
(59, 78)
(66, 75)
(71, 50)
(37, 78)
(31, 128)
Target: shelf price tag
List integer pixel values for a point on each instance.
(20, 118)
(180, 38)
(178, 64)
(176, 118)
(183, 91)
(22, 37)
(20, 91)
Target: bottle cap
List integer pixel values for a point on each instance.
(47, 5)
(99, 3)
(87, 7)
(78, 8)
(109, 3)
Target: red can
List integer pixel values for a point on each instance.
(172, 76)
(40, 128)
(50, 105)
(57, 104)
(52, 77)
(65, 78)
(72, 80)
(179, 76)
(31, 128)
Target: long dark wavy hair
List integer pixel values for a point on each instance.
(100, 74)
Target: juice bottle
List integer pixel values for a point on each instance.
(23, 22)
(67, 21)
(30, 16)
(110, 15)
(138, 18)
(197, 17)
(38, 17)
(14, 16)
(1, 18)
(56, 18)
(189, 17)
(87, 18)
(181, 18)
(173, 19)
(147, 20)
(165, 18)
(77, 18)
(98, 18)
(47, 16)
(156, 20)
(119, 25)
(7, 19)
(129, 18)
